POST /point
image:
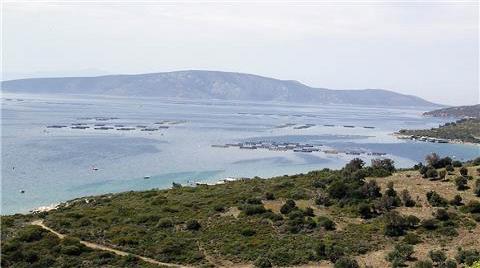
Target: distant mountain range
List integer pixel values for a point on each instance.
(472, 111)
(211, 85)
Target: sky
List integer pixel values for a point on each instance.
(428, 49)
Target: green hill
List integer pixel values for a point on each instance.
(357, 215)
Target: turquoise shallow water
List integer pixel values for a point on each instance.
(54, 165)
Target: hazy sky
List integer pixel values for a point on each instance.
(428, 49)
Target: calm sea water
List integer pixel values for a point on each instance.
(54, 165)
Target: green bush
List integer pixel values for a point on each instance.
(193, 225)
(423, 264)
(412, 239)
(400, 254)
(326, 223)
(436, 200)
(345, 262)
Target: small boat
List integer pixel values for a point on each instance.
(56, 126)
(219, 146)
(146, 177)
(368, 127)
(350, 126)
(22, 191)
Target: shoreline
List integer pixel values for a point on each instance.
(450, 141)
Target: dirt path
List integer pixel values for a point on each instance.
(115, 251)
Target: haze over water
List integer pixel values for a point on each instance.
(54, 165)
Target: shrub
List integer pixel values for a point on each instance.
(165, 223)
(323, 200)
(407, 199)
(449, 168)
(308, 212)
(423, 264)
(263, 262)
(395, 224)
(461, 183)
(467, 256)
(456, 163)
(450, 264)
(412, 239)
(472, 207)
(431, 173)
(400, 254)
(345, 262)
(476, 190)
(365, 210)
(288, 206)
(248, 232)
(435, 199)
(371, 189)
(437, 256)
(328, 251)
(430, 224)
(250, 210)
(456, 201)
(269, 196)
(442, 174)
(463, 171)
(219, 208)
(31, 233)
(326, 223)
(442, 215)
(193, 225)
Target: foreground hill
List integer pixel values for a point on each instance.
(210, 85)
(326, 218)
(472, 111)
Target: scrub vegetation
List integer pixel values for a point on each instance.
(358, 216)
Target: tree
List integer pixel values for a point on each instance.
(461, 183)
(386, 164)
(354, 165)
(432, 159)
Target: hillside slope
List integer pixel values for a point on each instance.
(210, 85)
(472, 111)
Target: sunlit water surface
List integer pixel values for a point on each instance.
(54, 165)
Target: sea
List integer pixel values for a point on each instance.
(44, 163)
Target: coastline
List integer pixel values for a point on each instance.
(450, 141)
